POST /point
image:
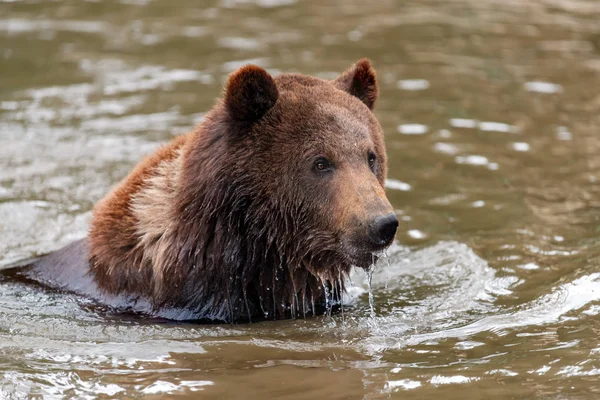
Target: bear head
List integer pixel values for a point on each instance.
(291, 171)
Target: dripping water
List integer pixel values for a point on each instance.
(383, 255)
(273, 293)
(327, 301)
(340, 294)
(334, 293)
(229, 305)
(293, 308)
(304, 303)
(369, 280)
(262, 308)
(246, 302)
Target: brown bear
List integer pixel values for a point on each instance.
(260, 212)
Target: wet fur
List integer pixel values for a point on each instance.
(208, 228)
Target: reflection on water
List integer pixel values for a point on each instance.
(491, 113)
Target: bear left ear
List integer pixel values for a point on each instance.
(360, 81)
(250, 92)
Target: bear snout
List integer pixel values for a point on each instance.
(382, 229)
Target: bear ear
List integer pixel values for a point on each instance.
(360, 81)
(250, 92)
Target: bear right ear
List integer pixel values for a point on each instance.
(250, 92)
(360, 81)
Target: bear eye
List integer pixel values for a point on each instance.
(322, 164)
(372, 158)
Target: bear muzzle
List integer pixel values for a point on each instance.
(364, 246)
(382, 230)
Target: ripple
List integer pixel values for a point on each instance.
(395, 184)
(563, 133)
(476, 160)
(19, 26)
(260, 3)
(413, 84)
(488, 126)
(447, 380)
(167, 387)
(406, 384)
(133, 123)
(412, 129)
(547, 309)
(240, 43)
(446, 148)
(56, 385)
(521, 146)
(578, 370)
(543, 87)
(231, 66)
(149, 77)
(416, 234)
(463, 123)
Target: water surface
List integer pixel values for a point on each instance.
(491, 111)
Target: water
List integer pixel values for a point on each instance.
(491, 113)
(370, 272)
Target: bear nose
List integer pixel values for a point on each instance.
(383, 228)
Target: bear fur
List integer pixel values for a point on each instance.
(260, 212)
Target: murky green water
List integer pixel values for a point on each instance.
(492, 117)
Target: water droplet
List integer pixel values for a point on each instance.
(340, 295)
(304, 303)
(383, 255)
(371, 298)
(327, 302)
